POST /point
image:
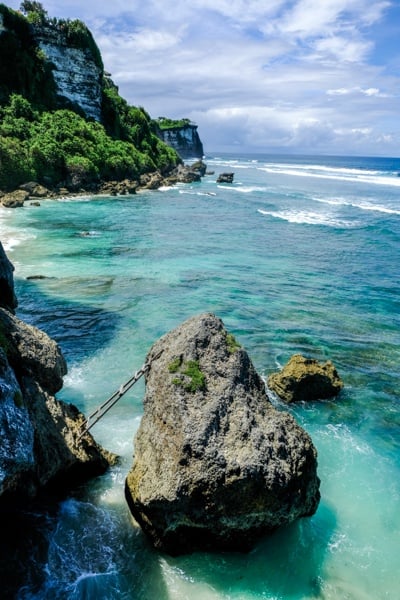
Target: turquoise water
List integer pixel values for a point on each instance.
(300, 254)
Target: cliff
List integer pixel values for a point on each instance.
(62, 121)
(40, 445)
(184, 139)
(52, 63)
(76, 71)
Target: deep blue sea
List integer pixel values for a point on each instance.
(299, 255)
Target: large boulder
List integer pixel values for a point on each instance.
(215, 464)
(303, 379)
(35, 189)
(15, 199)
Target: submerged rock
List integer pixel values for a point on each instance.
(215, 465)
(305, 379)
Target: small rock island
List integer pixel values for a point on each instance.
(305, 379)
(216, 465)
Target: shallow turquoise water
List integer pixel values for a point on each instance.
(298, 255)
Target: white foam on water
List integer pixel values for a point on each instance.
(249, 189)
(335, 174)
(303, 217)
(184, 587)
(361, 205)
(83, 198)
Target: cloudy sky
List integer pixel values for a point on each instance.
(310, 76)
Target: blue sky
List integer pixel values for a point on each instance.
(310, 76)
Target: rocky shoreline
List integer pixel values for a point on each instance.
(34, 191)
(42, 447)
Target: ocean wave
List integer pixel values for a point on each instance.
(353, 175)
(325, 168)
(84, 198)
(303, 217)
(360, 205)
(192, 193)
(248, 189)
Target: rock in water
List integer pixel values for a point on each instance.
(305, 379)
(216, 465)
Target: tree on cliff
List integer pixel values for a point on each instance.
(34, 12)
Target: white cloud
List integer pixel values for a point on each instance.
(343, 49)
(284, 74)
(371, 92)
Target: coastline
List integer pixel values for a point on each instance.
(34, 191)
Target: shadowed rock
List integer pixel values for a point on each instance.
(303, 379)
(8, 298)
(40, 435)
(225, 178)
(216, 465)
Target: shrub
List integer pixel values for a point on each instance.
(16, 165)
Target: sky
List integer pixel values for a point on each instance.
(276, 76)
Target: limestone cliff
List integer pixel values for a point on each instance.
(76, 72)
(185, 140)
(53, 63)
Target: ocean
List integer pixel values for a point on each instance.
(300, 254)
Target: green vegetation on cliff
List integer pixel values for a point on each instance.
(43, 139)
(62, 147)
(166, 123)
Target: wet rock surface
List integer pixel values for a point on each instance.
(40, 434)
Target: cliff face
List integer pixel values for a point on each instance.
(185, 140)
(53, 63)
(8, 299)
(77, 76)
